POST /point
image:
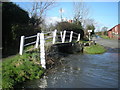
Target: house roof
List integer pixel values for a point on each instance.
(114, 27)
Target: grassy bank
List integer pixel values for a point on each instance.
(104, 37)
(94, 49)
(18, 69)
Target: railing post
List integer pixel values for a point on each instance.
(61, 35)
(78, 37)
(63, 39)
(37, 40)
(21, 45)
(71, 34)
(89, 36)
(54, 36)
(42, 50)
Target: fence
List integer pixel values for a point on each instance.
(40, 37)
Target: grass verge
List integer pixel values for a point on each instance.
(94, 49)
(18, 69)
(104, 37)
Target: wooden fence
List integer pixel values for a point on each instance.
(40, 38)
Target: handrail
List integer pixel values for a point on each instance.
(48, 37)
(48, 32)
(29, 43)
(75, 37)
(75, 33)
(30, 37)
(70, 32)
(67, 36)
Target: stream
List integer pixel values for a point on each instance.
(81, 71)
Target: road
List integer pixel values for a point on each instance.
(107, 43)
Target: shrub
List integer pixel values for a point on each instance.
(61, 26)
(15, 23)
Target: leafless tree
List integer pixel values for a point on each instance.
(38, 11)
(80, 11)
(104, 28)
(89, 22)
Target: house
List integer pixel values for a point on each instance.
(70, 21)
(114, 32)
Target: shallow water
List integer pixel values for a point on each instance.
(81, 71)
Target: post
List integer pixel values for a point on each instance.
(54, 36)
(89, 31)
(21, 45)
(71, 34)
(37, 40)
(42, 50)
(89, 36)
(63, 39)
(61, 35)
(78, 37)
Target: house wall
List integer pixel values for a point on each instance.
(114, 32)
(70, 21)
(109, 34)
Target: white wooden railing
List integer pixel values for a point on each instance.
(40, 37)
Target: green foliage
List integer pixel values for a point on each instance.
(70, 27)
(104, 37)
(106, 33)
(29, 47)
(49, 40)
(18, 69)
(13, 13)
(91, 27)
(83, 41)
(36, 21)
(17, 31)
(14, 24)
(94, 49)
(98, 33)
(102, 33)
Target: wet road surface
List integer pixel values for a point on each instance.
(107, 42)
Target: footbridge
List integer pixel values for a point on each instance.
(44, 38)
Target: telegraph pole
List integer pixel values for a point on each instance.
(61, 11)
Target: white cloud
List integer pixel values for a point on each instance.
(52, 20)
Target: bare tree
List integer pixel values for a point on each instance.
(38, 11)
(80, 11)
(89, 22)
(104, 30)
